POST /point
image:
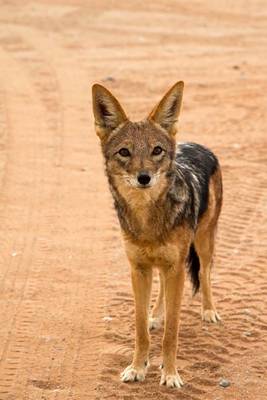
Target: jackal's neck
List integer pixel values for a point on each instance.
(145, 215)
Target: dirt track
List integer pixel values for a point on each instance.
(62, 265)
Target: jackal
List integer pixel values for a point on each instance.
(168, 199)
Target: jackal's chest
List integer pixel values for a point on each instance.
(157, 254)
(147, 224)
(140, 218)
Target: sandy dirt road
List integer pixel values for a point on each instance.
(62, 264)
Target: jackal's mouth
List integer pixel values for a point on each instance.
(135, 183)
(139, 186)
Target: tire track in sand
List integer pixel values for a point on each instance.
(55, 207)
(42, 345)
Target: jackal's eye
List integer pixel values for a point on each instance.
(124, 152)
(157, 151)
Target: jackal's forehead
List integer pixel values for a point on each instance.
(139, 137)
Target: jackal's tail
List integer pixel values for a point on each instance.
(193, 268)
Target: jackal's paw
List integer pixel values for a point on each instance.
(210, 316)
(155, 322)
(171, 381)
(134, 374)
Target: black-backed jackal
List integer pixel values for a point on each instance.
(168, 198)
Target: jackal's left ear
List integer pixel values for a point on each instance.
(107, 111)
(166, 113)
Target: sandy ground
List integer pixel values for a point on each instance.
(62, 263)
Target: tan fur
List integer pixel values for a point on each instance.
(141, 203)
(148, 241)
(158, 114)
(170, 258)
(157, 315)
(204, 244)
(115, 120)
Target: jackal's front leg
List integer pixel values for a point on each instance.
(173, 285)
(141, 282)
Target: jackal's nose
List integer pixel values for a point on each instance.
(143, 178)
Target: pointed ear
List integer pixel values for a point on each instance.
(107, 110)
(166, 113)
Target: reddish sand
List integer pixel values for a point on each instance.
(62, 266)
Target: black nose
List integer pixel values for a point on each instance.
(143, 178)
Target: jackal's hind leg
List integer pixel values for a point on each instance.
(205, 248)
(157, 316)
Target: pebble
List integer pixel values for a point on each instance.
(247, 333)
(107, 319)
(236, 145)
(109, 79)
(224, 383)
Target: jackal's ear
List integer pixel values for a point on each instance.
(107, 111)
(166, 113)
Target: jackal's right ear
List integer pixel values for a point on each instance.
(107, 111)
(166, 113)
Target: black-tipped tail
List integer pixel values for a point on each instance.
(193, 268)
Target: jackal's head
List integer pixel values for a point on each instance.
(138, 155)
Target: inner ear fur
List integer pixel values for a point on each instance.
(167, 111)
(108, 112)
